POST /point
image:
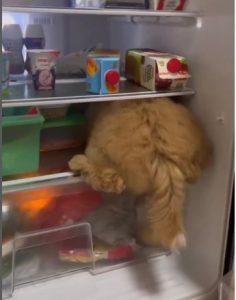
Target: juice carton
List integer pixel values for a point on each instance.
(156, 70)
(103, 75)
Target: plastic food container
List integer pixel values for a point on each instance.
(21, 140)
(63, 133)
(42, 65)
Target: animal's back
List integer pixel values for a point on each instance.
(131, 136)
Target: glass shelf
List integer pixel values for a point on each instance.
(74, 91)
(102, 11)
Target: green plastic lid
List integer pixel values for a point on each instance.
(11, 121)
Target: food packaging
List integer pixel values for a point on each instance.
(156, 70)
(69, 208)
(43, 65)
(112, 228)
(12, 40)
(34, 39)
(75, 252)
(103, 71)
(167, 4)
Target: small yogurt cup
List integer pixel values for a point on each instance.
(43, 65)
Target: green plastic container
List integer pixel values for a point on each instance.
(20, 141)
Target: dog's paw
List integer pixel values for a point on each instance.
(78, 163)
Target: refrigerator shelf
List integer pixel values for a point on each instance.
(101, 12)
(23, 94)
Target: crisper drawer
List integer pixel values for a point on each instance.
(39, 223)
(54, 225)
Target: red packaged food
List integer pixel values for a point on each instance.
(168, 4)
(70, 208)
(77, 252)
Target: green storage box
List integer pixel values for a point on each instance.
(20, 141)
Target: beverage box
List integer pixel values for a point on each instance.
(103, 71)
(156, 70)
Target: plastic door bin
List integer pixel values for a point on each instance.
(20, 142)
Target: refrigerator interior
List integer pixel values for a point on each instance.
(207, 43)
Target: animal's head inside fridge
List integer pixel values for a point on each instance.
(117, 149)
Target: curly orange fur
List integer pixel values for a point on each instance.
(151, 148)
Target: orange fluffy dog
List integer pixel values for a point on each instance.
(152, 149)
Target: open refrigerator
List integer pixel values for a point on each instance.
(203, 33)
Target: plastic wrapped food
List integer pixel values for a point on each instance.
(114, 221)
(70, 208)
(101, 251)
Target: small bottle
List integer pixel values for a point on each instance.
(12, 41)
(34, 39)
